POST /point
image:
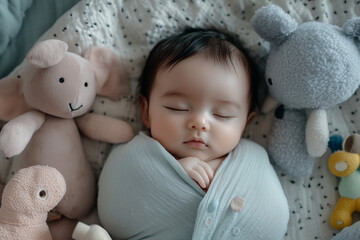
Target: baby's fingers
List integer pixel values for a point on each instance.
(203, 172)
(197, 177)
(209, 171)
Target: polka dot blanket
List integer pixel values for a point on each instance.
(132, 27)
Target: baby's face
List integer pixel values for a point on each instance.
(198, 108)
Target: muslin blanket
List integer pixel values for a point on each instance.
(145, 193)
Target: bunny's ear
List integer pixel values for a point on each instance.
(111, 79)
(47, 53)
(273, 24)
(12, 101)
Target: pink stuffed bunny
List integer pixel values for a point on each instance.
(27, 198)
(48, 104)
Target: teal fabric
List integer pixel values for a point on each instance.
(38, 18)
(12, 13)
(144, 193)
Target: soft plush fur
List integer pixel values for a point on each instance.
(26, 200)
(352, 232)
(47, 105)
(311, 66)
(345, 164)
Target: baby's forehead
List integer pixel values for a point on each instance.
(201, 69)
(235, 62)
(204, 69)
(201, 78)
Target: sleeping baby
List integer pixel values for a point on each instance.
(192, 175)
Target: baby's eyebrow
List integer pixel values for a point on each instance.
(219, 101)
(227, 102)
(174, 94)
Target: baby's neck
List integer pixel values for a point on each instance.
(215, 163)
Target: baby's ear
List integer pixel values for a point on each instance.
(12, 101)
(47, 53)
(273, 24)
(111, 79)
(144, 107)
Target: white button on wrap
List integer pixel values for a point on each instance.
(237, 204)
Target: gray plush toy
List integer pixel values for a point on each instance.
(311, 66)
(349, 233)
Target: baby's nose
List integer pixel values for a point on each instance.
(199, 123)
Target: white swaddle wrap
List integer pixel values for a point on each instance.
(145, 193)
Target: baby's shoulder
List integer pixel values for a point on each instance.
(140, 140)
(251, 147)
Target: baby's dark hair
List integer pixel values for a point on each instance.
(219, 46)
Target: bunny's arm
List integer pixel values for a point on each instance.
(17, 133)
(317, 133)
(104, 128)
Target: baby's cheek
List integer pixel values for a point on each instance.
(165, 130)
(229, 137)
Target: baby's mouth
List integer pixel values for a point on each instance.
(196, 143)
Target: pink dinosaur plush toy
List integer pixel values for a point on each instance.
(27, 198)
(47, 105)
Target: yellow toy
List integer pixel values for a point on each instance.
(345, 164)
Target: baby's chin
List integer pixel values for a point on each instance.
(202, 157)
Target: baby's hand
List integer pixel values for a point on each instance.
(198, 170)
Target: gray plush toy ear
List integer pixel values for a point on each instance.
(273, 24)
(352, 28)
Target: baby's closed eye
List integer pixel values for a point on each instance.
(176, 108)
(224, 115)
